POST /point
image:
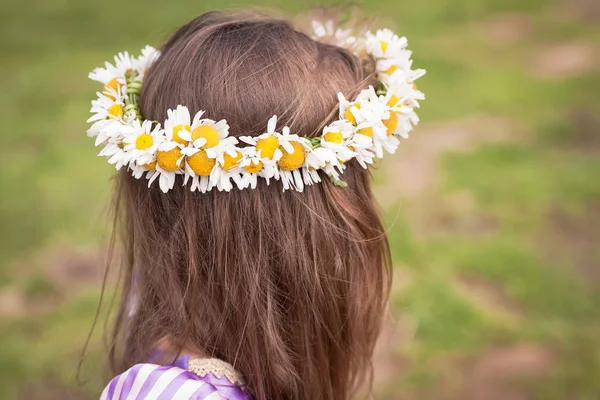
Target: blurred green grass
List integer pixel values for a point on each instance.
(538, 186)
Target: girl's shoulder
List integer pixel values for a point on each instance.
(164, 382)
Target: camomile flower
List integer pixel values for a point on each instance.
(321, 158)
(373, 113)
(386, 67)
(351, 110)
(141, 141)
(335, 134)
(366, 114)
(113, 150)
(169, 163)
(399, 104)
(293, 150)
(209, 135)
(400, 60)
(402, 75)
(362, 147)
(228, 168)
(255, 166)
(113, 76)
(408, 87)
(335, 137)
(207, 141)
(198, 168)
(178, 121)
(375, 128)
(328, 33)
(384, 43)
(267, 144)
(144, 61)
(107, 118)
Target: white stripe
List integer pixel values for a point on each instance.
(162, 382)
(140, 379)
(105, 392)
(187, 389)
(119, 386)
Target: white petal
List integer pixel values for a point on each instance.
(272, 124)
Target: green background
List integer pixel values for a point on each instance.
(493, 205)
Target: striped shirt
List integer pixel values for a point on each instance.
(157, 382)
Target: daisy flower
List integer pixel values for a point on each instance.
(384, 43)
(373, 113)
(113, 150)
(361, 146)
(229, 167)
(321, 158)
(254, 166)
(178, 122)
(375, 129)
(293, 154)
(113, 76)
(400, 101)
(350, 110)
(169, 163)
(141, 142)
(148, 57)
(267, 144)
(328, 33)
(398, 76)
(208, 134)
(107, 118)
(335, 137)
(207, 141)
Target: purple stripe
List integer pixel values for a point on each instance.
(132, 373)
(203, 391)
(111, 387)
(151, 380)
(173, 387)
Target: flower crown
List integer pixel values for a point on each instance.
(202, 151)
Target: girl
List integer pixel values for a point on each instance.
(257, 264)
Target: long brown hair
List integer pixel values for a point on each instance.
(288, 287)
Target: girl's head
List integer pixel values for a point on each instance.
(289, 287)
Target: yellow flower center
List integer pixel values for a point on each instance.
(366, 131)
(391, 70)
(384, 45)
(176, 130)
(168, 159)
(112, 84)
(144, 141)
(230, 162)
(201, 163)
(267, 146)
(151, 166)
(252, 168)
(292, 161)
(334, 137)
(349, 115)
(391, 123)
(393, 100)
(207, 132)
(115, 111)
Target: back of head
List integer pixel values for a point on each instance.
(289, 287)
